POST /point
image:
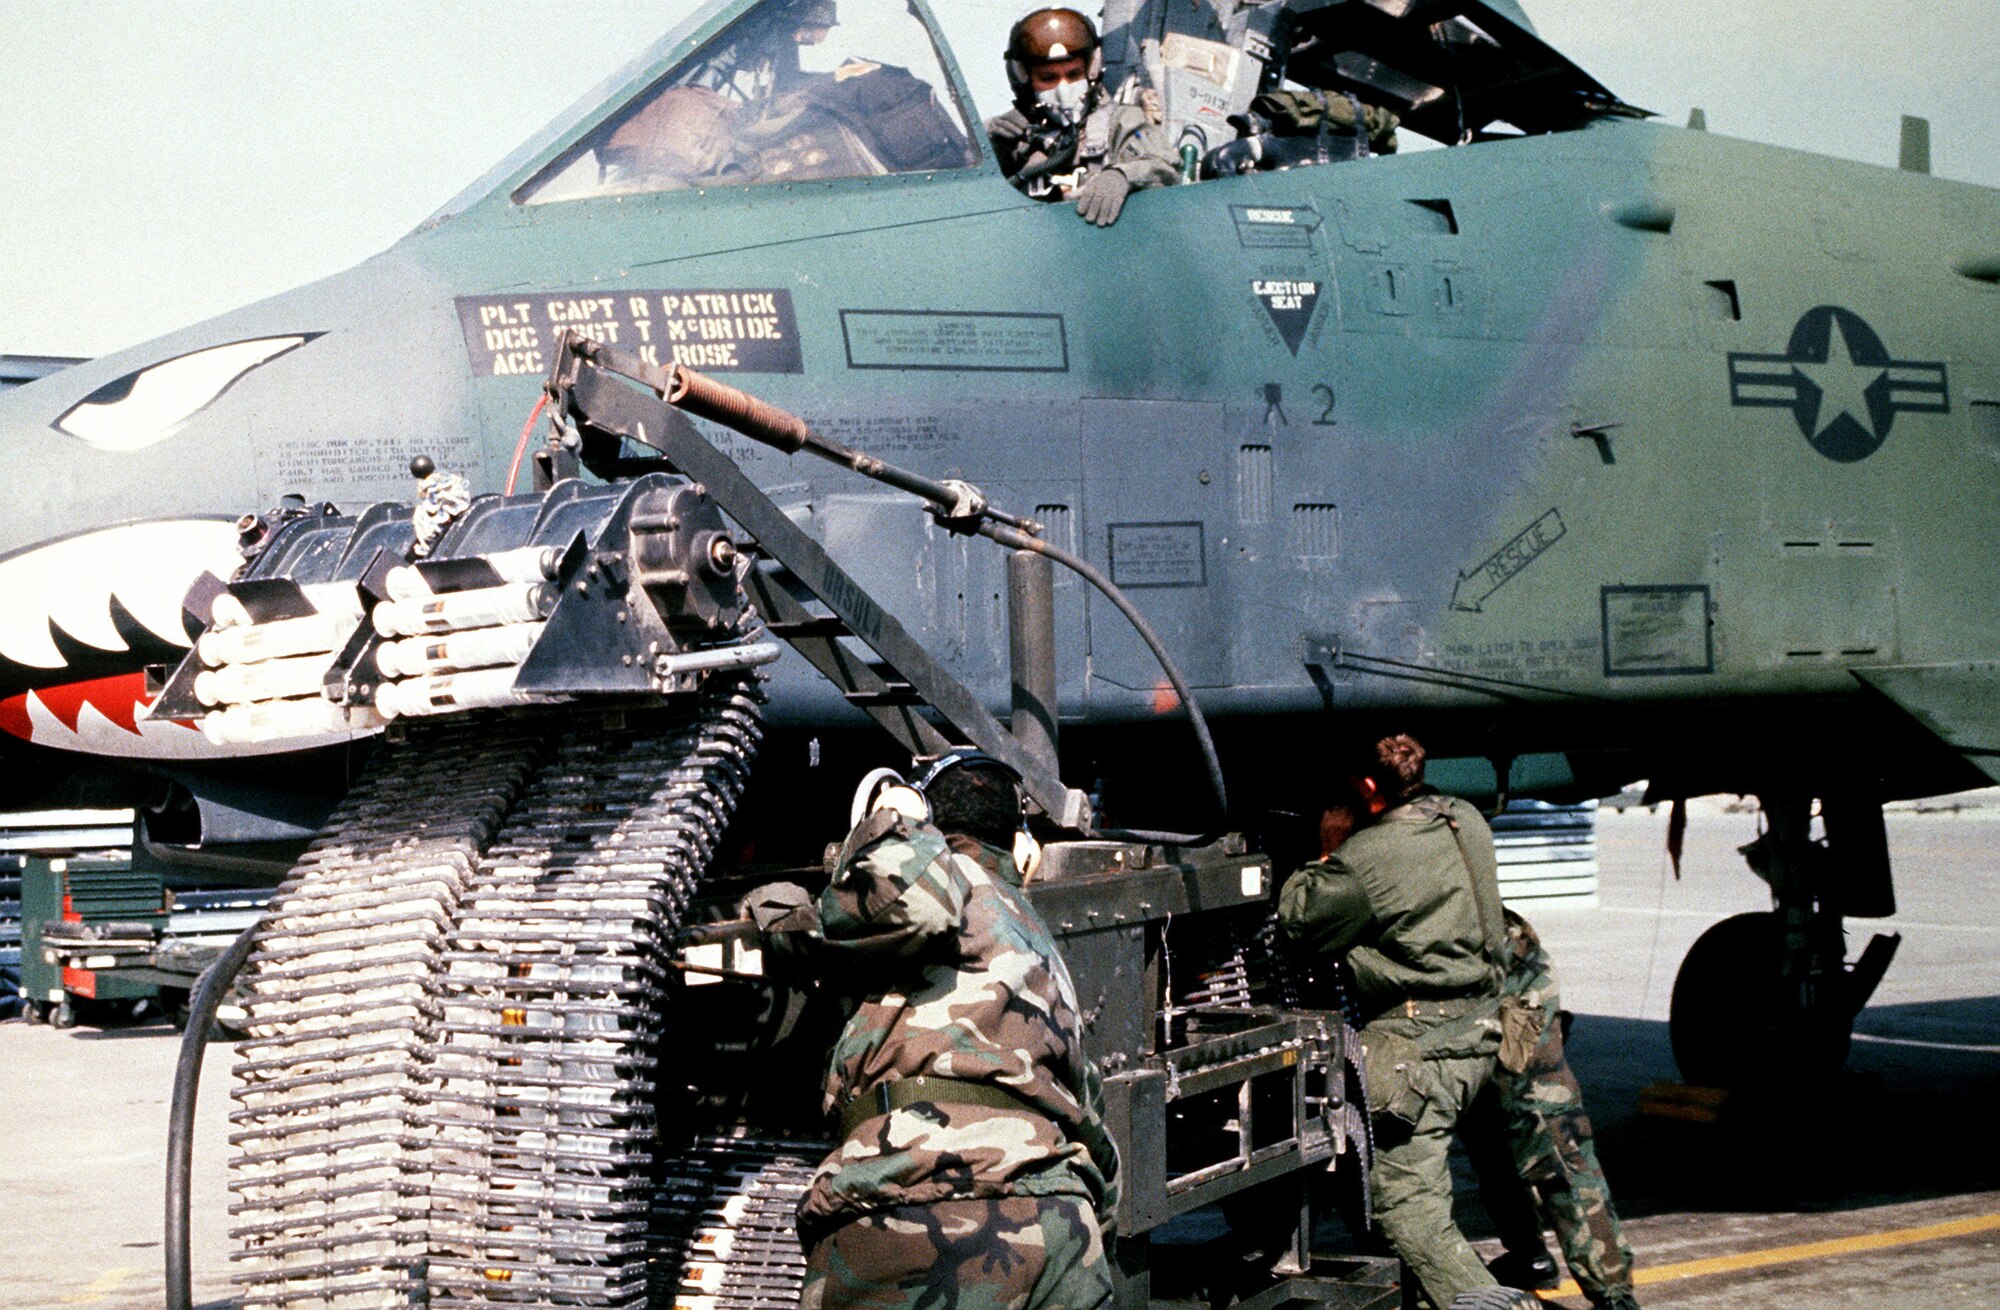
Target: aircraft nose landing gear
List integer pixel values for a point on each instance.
(1770, 997)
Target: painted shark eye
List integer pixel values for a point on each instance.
(147, 405)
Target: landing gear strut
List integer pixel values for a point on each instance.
(1770, 996)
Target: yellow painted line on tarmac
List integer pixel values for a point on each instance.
(1778, 1255)
(101, 1287)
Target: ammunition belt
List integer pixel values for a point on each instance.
(724, 1219)
(455, 1009)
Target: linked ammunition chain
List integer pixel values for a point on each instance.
(1357, 1130)
(454, 1012)
(724, 1225)
(1237, 961)
(331, 1139)
(553, 1003)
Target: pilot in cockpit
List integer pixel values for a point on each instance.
(1066, 138)
(810, 22)
(1292, 127)
(787, 93)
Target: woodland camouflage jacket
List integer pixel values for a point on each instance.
(955, 976)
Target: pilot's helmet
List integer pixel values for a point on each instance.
(1043, 37)
(815, 16)
(682, 136)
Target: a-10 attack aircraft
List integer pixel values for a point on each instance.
(1592, 448)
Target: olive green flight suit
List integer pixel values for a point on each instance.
(1114, 135)
(1413, 902)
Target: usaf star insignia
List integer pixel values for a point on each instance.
(1838, 380)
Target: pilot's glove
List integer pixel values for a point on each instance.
(1233, 158)
(1102, 196)
(1007, 127)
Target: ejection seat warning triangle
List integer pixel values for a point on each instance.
(1290, 304)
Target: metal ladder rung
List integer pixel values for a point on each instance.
(895, 693)
(818, 625)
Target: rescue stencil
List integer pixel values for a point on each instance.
(732, 331)
(1505, 564)
(1275, 227)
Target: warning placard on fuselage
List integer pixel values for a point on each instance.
(716, 331)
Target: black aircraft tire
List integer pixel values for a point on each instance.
(1729, 1020)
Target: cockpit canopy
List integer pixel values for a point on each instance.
(1448, 68)
(819, 90)
(793, 91)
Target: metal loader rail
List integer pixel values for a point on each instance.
(473, 1074)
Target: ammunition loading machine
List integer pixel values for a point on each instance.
(469, 1024)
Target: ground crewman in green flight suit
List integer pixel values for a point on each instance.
(1412, 901)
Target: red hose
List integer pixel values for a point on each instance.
(521, 446)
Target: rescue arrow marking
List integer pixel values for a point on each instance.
(1500, 568)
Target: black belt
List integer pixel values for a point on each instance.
(929, 1089)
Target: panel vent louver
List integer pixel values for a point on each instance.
(1253, 484)
(1316, 530)
(1058, 526)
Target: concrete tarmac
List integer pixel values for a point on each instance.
(1879, 1189)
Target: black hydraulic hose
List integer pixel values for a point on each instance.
(207, 999)
(1084, 569)
(761, 421)
(1048, 164)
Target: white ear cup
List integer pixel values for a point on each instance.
(871, 787)
(1027, 854)
(904, 800)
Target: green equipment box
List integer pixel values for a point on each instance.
(99, 899)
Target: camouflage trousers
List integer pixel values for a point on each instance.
(1530, 1127)
(1011, 1253)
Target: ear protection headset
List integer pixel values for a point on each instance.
(1027, 852)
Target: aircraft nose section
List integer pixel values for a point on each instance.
(325, 391)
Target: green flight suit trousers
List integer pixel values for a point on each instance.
(1410, 1187)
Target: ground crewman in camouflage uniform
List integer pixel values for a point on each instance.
(975, 1170)
(1529, 1126)
(1412, 901)
(1067, 138)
